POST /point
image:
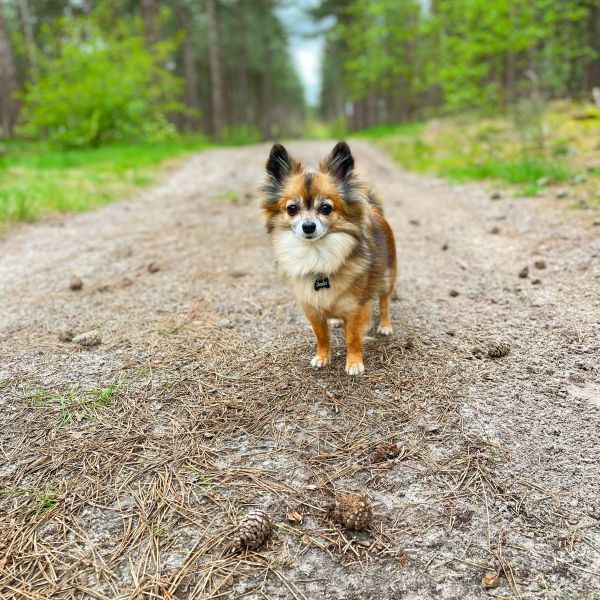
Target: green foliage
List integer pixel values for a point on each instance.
(470, 148)
(403, 58)
(241, 134)
(37, 178)
(99, 83)
(74, 404)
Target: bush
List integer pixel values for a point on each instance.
(98, 82)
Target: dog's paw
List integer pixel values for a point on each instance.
(318, 361)
(355, 368)
(385, 330)
(335, 322)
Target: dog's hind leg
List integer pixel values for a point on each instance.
(385, 325)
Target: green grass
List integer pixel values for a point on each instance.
(383, 131)
(40, 501)
(37, 178)
(74, 404)
(543, 150)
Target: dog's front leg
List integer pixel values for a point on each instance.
(355, 328)
(319, 325)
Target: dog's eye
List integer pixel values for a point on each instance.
(325, 209)
(292, 210)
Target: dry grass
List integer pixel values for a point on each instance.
(139, 499)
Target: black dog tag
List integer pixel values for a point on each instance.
(321, 282)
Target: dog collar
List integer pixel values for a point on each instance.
(321, 282)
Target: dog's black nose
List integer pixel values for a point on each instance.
(309, 227)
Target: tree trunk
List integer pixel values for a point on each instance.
(148, 8)
(191, 97)
(215, 70)
(592, 74)
(242, 99)
(266, 98)
(8, 82)
(29, 38)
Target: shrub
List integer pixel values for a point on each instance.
(98, 82)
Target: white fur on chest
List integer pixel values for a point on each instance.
(302, 263)
(297, 257)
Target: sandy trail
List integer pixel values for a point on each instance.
(133, 493)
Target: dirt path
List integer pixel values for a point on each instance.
(124, 466)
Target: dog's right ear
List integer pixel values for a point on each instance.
(279, 163)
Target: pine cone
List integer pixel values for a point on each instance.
(353, 512)
(385, 452)
(253, 530)
(498, 349)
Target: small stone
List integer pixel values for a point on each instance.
(415, 222)
(126, 281)
(490, 580)
(536, 281)
(496, 196)
(540, 264)
(226, 323)
(65, 335)
(89, 339)
(153, 268)
(453, 293)
(445, 246)
(495, 230)
(524, 273)
(76, 283)
(561, 193)
(596, 223)
(542, 181)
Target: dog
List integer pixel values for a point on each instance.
(333, 247)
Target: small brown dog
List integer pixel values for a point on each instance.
(333, 246)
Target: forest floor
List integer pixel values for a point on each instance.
(124, 466)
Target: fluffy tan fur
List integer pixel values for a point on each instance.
(352, 246)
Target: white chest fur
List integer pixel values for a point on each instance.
(298, 257)
(302, 262)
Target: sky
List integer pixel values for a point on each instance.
(306, 48)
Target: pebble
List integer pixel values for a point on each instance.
(453, 293)
(496, 196)
(65, 335)
(495, 230)
(540, 264)
(226, 323)
(153, 268)
(490, 580)
(76, 283)
(524, 273)
(561, 193)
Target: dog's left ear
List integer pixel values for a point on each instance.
(340, 162)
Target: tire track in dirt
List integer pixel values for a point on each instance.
(217, 410)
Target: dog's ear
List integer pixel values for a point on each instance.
(340, 162)
(279, 163)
